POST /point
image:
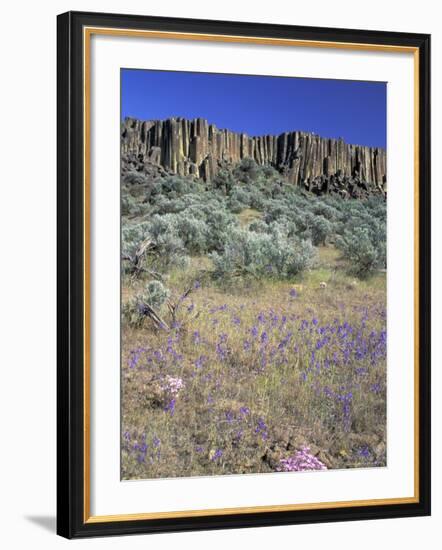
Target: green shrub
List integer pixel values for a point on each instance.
(184, 216)
(166, 249)
(262, 254)
(320, 229)
(134, 178)
(364, 252)
(193, 232)
(224, 181)
(246, 171)
(132, 235)
(155, 294)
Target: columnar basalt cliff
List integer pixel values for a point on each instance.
(197, 148)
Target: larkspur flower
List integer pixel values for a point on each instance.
(328, 392)
(134, 357)
(346, 400)
(261, 429)
(217, 454)
(263, 360)
(230, 417)
(221, 351)
(364, 452)
(199, 362)
(170, 407)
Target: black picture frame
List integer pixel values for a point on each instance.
(72, 520)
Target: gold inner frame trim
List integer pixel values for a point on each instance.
(87, 34)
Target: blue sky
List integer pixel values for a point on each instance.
(258, 105)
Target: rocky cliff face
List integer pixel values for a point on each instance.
(195, 147)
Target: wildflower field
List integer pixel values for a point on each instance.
(253, 327)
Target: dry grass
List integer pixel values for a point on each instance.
(265, 370)
(248, 215)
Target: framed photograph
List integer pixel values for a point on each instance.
(243, 274)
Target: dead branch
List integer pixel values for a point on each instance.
(174, 306)
(135, 261)
(148, 311)
(144, 246)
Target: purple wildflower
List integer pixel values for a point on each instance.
(364, 452)
(200, 361)
(170, 407)
(302, 461)
(230, 417)
(261, 429)
(217, 454)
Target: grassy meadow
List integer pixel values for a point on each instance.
(253, 327)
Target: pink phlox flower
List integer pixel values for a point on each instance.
(302, 461)
(173, 385)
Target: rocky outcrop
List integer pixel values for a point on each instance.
(197, 148)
